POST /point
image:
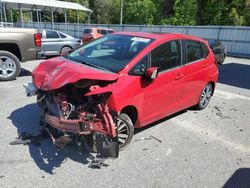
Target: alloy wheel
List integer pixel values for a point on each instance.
(7, 67)
(122, 132)
(206, 95)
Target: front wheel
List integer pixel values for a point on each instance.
(125, 130)
(205, 97)
(9, 66)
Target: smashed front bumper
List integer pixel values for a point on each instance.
(65, 125)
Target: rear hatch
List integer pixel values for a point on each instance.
(87, 35)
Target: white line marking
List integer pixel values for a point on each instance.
(229, 95)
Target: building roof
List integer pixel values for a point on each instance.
(41, 4)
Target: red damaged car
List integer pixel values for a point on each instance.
(103, 90)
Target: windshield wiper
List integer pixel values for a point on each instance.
(94, 65)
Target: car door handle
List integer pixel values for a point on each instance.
(179, 76)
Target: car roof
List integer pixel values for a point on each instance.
(67, 35)
(160, 35)
(99, 28)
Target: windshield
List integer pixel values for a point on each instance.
(112, 52)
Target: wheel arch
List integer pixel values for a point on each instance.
(12, 48)
(132, 112)
(66, 45)
(213, 85)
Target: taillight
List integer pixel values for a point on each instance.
(37, 38)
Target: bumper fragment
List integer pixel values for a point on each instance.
(30, 89)
(65, 125)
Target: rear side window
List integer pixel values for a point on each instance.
(205, 50)
(166, 56)
(194, 50)
(62, 35)
(87, 31)
(102, 31)
(51, 34)
(110, 31)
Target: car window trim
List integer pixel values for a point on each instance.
(204, 46)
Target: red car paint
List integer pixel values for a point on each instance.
(151, 99)
(55, 73)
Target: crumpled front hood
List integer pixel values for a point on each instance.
(57, 72)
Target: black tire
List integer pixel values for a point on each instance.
(222, 59)
(10, 70)
(65, 49)
(205, 97)
(125, 130)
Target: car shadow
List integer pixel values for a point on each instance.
(46, 156)
(24, 72)
(235, 74)
(240, 179)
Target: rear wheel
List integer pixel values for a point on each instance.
(65, 50)
(125, 130)
(9, 66)
(205, 97)
(222, 59)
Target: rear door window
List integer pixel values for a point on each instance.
(205, 50)
(62, 35)
(51, 34)
(110, 31)
(103, 31)
(167, 56)
(87, 31)
(194, 50)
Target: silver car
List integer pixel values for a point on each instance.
(55, 42)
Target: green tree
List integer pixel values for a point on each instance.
(184, 13)
(210, 12)
(139, 11)
(101, 11)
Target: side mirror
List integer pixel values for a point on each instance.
(152, 72)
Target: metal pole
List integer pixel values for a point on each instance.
(40, 18)
(89, 14)
(78, 34)
(20, 13)
(65, 17)
(4, 12)
(52, 18)
(1, 12)
(37, 19)
(31, 17)
(11, 16)
(121, 16)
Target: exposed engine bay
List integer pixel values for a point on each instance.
(75, 115)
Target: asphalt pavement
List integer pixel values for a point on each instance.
(208, 148)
